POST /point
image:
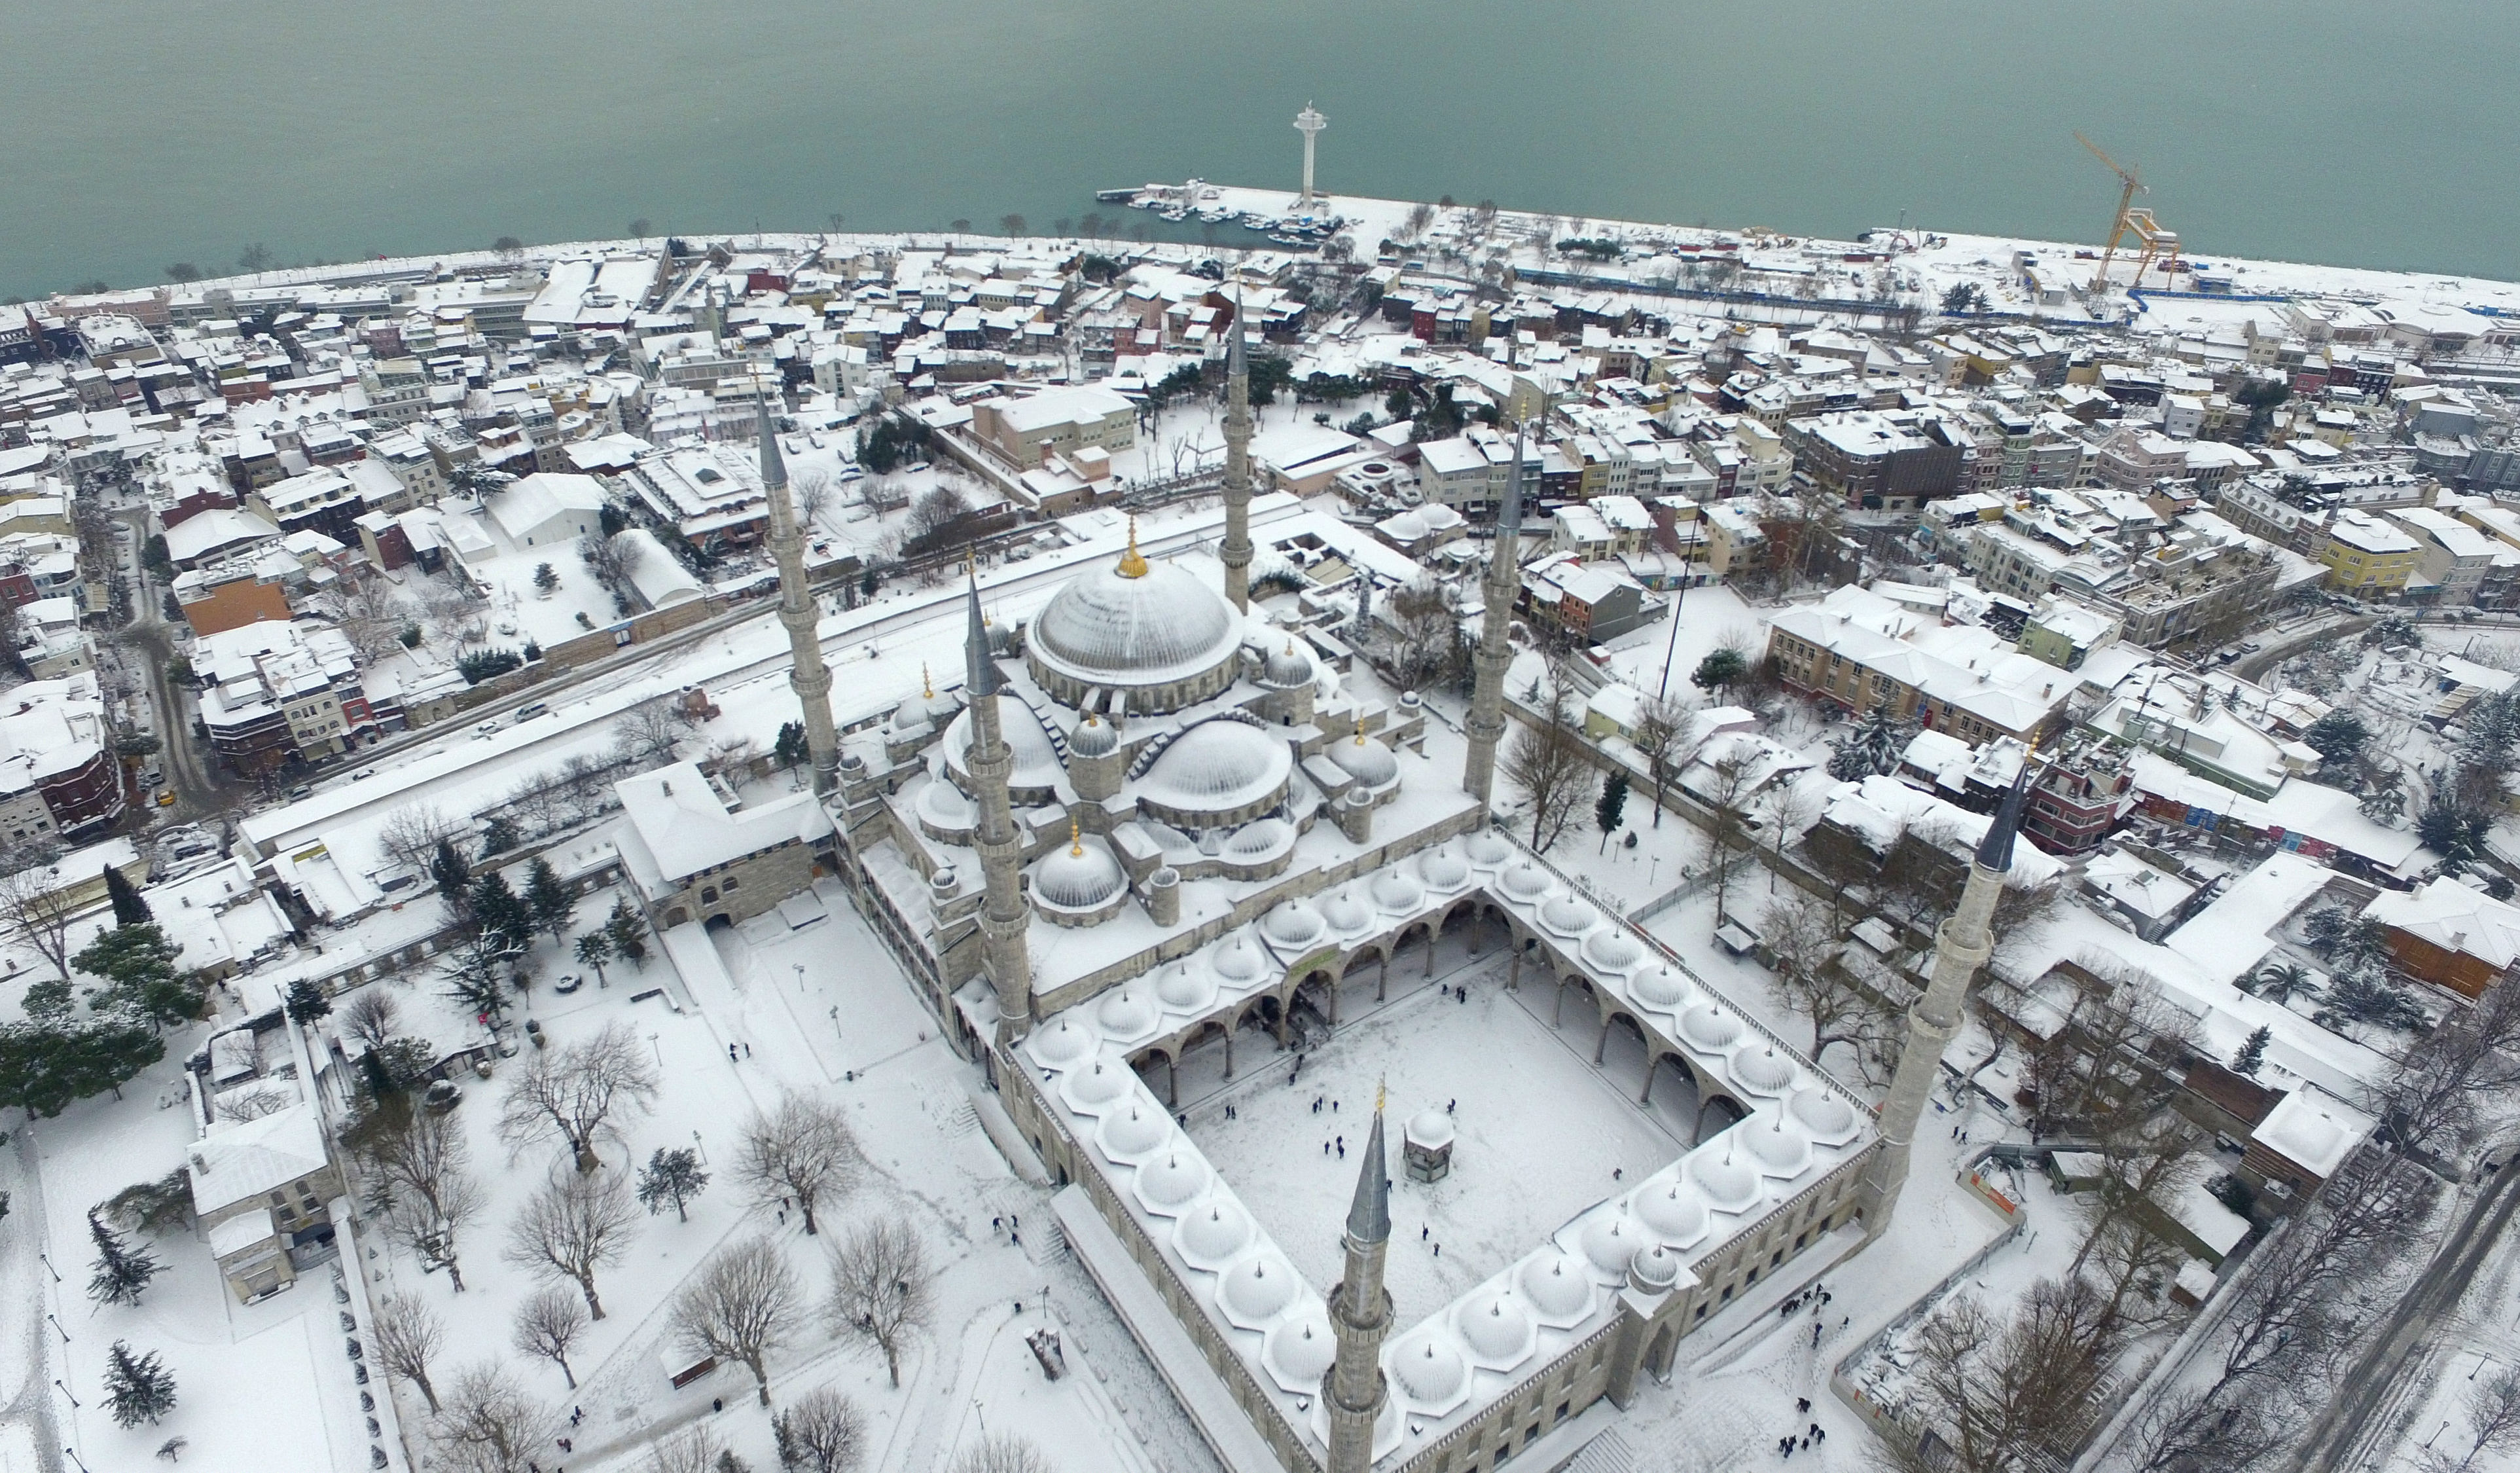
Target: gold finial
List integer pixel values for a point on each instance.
(1075, 839)
(1378, 1096)
(927, 685)
(1132, 563)
(1360, 731)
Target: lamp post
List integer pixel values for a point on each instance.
(66, 1392)
(75, 1457)
(696, 1147)
(48, 1264)
(800, 978)
(66, 1335)
(655, 1043)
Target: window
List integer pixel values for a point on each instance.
(730, 882)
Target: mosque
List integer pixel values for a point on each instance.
(1153, 824)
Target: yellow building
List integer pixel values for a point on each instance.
(2366, 555)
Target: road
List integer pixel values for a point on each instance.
(181, 756)
(2337, 1440)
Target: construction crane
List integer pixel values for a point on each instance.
(2159, 245)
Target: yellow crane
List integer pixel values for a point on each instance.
(2159, 245)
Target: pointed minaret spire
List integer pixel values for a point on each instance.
(979, 667)
(1355, 1393)
(1236, 551)
(1004, 925)
(1995, 851)
(807, 675)
(1486, 722)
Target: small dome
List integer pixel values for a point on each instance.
(1709, 1027)
(1036, 763)
(1259, 1289)
(1218, 766)
(1108, 1081)
(1262, 839)
(1487, 848)
(1443, 869)
(1432, 1373)
(1568, 916)
(1495, 1326)
(1213, 1231)
(1660, 988)
(1083, 876)
(1525, 882)
(1781, 1149)
(1609, 1243)
(942, 806)
(1126, 1014)
(1395, 894)
(1557, 1284)
(1430, 1127)
(1366, 759)
(1613, 949)
(1287, 669)
(1655, 1269)
(1302, 1349)
(1131, 1134)
(1063, 1043)
(1347, 914)
(1294, 924)
(1758, 1066)
(1237, 960)
(1093, 737)
(1830, 1119)
(1670, 1211)
(1185, 988)
(1730, 1182)
(1173, 1180)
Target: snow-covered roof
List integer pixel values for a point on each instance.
(246, 1160)
(679, 827)
(2454, 918)
(2312, 1129)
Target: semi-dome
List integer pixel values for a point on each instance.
(1782, 1150)
(1216, 767)
(1431, 1372)
(1830, 1119)
(1094, 737)
(1365, 759)
(1080, 877)
(1557, 1285)
(1092, 1090)
(1036, 763)
(1132, 1134)
(1489, 848)
(1609, 1243)
(1185, 988)
(1294, 924)
(1287, 668)
(1262, 839)
(1259, 1289)
(1709, 1027)
(942, 806)
(1237, 959)
(1495, 1326)
(1395, 894)
(1444, 869)
(1135, 623)
(1299, 1351)
(1173, 1180)
(1061, 1043)
(1728, 1179)
(1211, 1233)
(1659, 987)
(1126, 1014)
(1760, 1068)
(1671, 1211)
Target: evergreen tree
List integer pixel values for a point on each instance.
(1612, 808)
(129, 909)
(1720, 670)
(2337, 737)
(122, 1270)
(549, 901)
(501, 913)
(137, 1388)
(671, 1176)
(499, 834)
(47, 1064)
(307, 1000)
(1884, 740)
(627, 930)
(791, 748)
(2253, 1053)
(138, 964)
(451, 875)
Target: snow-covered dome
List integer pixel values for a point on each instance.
(1495, 1326)
(1659, 987)
(1487, 848)
(1568, 916)
(1287, 668)
(1135, 623)
(1237, 959)
(1126, 1014)
(1730, 1181)
(1613, 949)
(1299, 1351)
(1709, 1027)
(928, 708)
(1430, 1127)
(1759, 1068)
(1525, 882)
(1213, 1232)
(1782, 1148)
(1091, 1089)
(1557, 1285)
(1061, 1043)
(1080, 877)
(1134, 1133)
(1656, 1268)
(1036, 763)
(1217, 766)
(1094, 737)
(1259, 839)
(1294, 924)
(1346, 914)
(1444, 869)
(1830, 1119)
(1431, 1373)
(1183, 988)
(1396, 893)
(1366, 759)
(942, 806)
(1609, 1243)
(1173, 1180)
(1671, 1210)
(1258, 1289)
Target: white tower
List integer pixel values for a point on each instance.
(1309, 123)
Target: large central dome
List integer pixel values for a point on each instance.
(1150, 628)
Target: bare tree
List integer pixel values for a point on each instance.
(548, 1324)
(411, 835)
(1796, 931)
(821, 1431)
(1661, 728)
(801, 1151)
(1731, 790)
(370, 1017)
(693, 1449)
(1547, 760)
(407, 1335)
(36, 904)
(2472, 1060)
(423, 1173)
(879, 1287)
(2493, 1424)
(576, 1224)
(1002, 1453)
(647, 736)
(1424, 648)
(2008, 1394)
(490, 1424)
(741, 1306)
(578, 1090)
(811, 490)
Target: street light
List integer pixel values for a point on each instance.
(66, 1335)
(48, 1265)
(659, 1047)
(800, 978)
(75, 1457)
(696, 1145)
(65, 1391)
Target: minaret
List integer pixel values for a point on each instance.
(1961, 945)
(1310, 123)
(1486, 723)
(807, 675)
(989, 759)
(1237, 551)
(1354, 1393)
